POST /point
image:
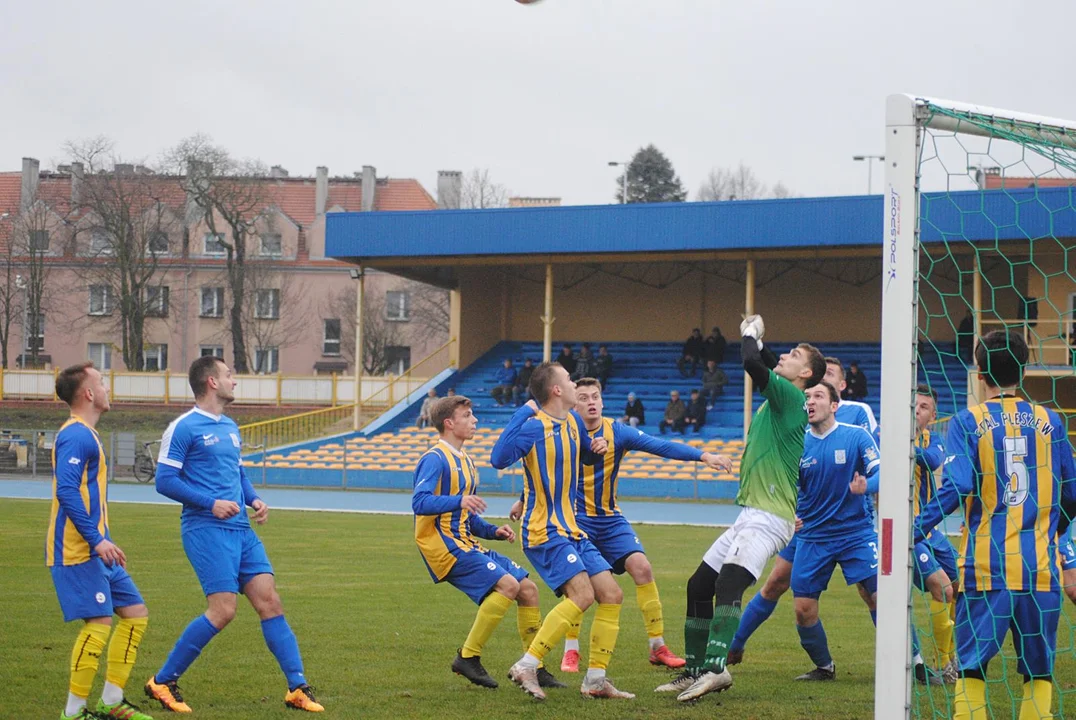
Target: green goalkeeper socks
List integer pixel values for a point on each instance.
(722, 629)
(696, 633)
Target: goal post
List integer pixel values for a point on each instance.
(979, 212)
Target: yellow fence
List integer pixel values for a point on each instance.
(294, 428)
(415, 377)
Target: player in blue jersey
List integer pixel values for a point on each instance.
(552, 442)
(1009, 465)
(447, 529)
(599, 516)
(200, 466)
(88, 570)
(834, 524)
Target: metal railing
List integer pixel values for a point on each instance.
(294, 428)
(407, 382)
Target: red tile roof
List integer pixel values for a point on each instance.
(996, 182)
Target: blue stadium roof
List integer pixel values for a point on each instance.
(832, 222)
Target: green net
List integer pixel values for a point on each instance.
(997, 253)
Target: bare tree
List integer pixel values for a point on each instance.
(430, 308)
(32, 242)
(738, 183)
(275, 313)
(479, 191)
(378, 332)
(10, 293)
(230, 195)
(126, 235)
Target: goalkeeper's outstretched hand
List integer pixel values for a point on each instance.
(753, 327)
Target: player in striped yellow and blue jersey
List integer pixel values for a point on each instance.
(1010, 465)
(599, 516)
(548, 435)
(448, 527)
(88, 570)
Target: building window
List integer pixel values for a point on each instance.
(271, 245)
(397, 359)
(158, 242)
(156, 302)
(214, 244)
(267, 305)
(155, 357)
(212, 351)
(100, 300)
(36, 336)
(266, 360)
(100, 243)
(331, 344)
(212, 302)
(39, 240)
(100, 354)
(398, 305)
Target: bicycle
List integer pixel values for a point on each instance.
(145, 463)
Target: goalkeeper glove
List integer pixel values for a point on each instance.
(753, 327)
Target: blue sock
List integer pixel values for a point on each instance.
(915, 642)
(285, 648)
(757, 612)
(874, 617)
(187, 649)
(813, 639)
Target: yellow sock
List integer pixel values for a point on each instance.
(603, 635)
(1038, 697)
(123, 649)
(490, 614)
(969, 699)
(650, 604)
(574, 630)
(85, 657)
(528, 621)
(556, 624)
(943, 631)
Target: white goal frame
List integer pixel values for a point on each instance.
(907, 116)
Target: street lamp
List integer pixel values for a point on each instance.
(623, 180)
(21, 284)
(868, 159)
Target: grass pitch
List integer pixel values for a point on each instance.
(377, 636)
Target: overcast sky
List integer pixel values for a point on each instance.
(542, 95)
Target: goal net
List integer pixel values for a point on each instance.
(980, 236)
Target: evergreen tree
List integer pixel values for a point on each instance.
(651, 179)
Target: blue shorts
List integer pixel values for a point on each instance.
(984, 618)
(225, 559)
(559, 559)
(788, 552)
(816, 559)
(614, 538)
(934, 554)
(1067, 549)
(93, 589)
(475, 573)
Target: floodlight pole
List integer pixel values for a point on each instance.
(869, 159)
(623, 180)
(358, 274)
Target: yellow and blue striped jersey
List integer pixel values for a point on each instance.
(598, 482)
(78, 519)
(551, 449)
(929, 454)
(443, 528)
(1010, 464)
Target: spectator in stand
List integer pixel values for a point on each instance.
(603, 365)
(566, 359)
(965, 338)
(451, 392)
(523, 380)
(857, 383)
(424, 411)
(674, 413)
(506, 384)
(694, 349)
(695, 417)
(714, 347)
(584, 364)
(714, 381)
(634, 412)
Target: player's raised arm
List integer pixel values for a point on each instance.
(73, 450)
(515, 441)
(958, 478)
(631, 438)
(758, 360)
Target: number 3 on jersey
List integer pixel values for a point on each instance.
(1016, 471)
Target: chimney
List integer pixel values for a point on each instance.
(369, 187)
(449, 189)
(31, 173)
(321, 189)
(78, 174)
(277, 172)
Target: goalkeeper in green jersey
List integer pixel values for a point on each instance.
(769, 475)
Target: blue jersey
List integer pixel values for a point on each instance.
(852, 412)
(826, 506)
(597, 482)
(205, 450)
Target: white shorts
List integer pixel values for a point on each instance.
(753, 539)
